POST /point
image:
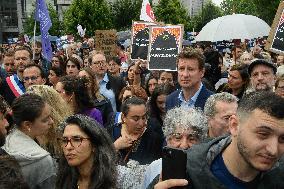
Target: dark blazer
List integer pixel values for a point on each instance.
(116, 84)
(173, 101)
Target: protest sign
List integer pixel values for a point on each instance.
(275, 41)
(164, 46)
(105, 40)
(140, 40)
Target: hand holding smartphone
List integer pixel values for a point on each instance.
(174, 164)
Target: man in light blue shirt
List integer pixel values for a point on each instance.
(110, 86)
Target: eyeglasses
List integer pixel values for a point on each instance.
(74, 141)
(280, 88)
(99, 63)
(32, 78)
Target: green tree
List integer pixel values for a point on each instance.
(91, 14)
(263, 9)
(172, 12)
(209, 12)
(267, 9)
(239, 7)
(124, 11)
(55, 29)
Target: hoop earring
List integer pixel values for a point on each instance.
(70, 99)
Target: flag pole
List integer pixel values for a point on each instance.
(34, 41)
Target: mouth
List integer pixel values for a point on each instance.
(267, 159)
(70, 156)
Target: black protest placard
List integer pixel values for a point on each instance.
(165, 44)
(140, 40)
(275, 41)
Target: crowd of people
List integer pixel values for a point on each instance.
(86, 120)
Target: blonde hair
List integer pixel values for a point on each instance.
(60, 110)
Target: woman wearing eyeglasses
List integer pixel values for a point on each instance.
(132, 139)
(89, 156)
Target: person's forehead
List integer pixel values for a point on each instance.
(73, 130)
(8, 58)
(99, 57)
(222, 105)
(234, 73)
(192, 62)
(261, 118)
(261, 67)
(70, 63)
(22, 53)
(166, 74)
(181, 129)
(137, 109)
(55, 58)
(31, 71)
(152, 81)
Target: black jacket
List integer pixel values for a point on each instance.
(105, 108)
(200, 158)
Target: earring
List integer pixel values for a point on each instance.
(29, 129)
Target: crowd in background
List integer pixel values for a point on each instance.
(79, 120)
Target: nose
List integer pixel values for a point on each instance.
(141, 122)
(68, 146)
(51, 121)
(185, 73)
(184, 144)
(272, 146)
(259, 76)
(6, 123)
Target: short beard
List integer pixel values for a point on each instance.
(244, 152)
(267, 88)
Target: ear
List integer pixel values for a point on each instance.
(27, 125)
(122, 117)
(234, 125)
(43, 81)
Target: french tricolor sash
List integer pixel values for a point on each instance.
(15, 85)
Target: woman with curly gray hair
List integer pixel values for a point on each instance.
(89, 155)
(183, 127)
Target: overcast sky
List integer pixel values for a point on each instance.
(218, 2)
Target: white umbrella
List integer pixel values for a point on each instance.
(236, 26)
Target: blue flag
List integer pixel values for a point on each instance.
(41, 15)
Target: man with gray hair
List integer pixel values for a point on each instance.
(218, 109)
(183, 127)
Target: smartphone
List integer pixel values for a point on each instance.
(174, 164)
